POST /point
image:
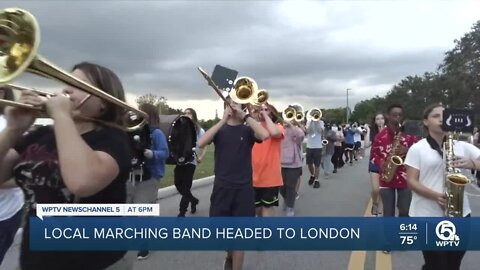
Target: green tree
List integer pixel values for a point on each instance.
(160, 102)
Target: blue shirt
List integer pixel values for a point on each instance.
(156, 165)
(349, 136)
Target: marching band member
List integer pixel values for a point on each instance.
(314, 150)
(11, 196)
(425, 176)
(233, 194)
(349, 142)
(331, 137)
(267, 172)
(337, 158)
(75, 161)
(183, 174)
(381, 149)
(145, 189)
(291, 163)
(378, 123)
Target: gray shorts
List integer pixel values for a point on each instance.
(314, 156)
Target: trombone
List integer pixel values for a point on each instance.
(19, 54)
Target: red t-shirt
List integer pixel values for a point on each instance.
(382, 145)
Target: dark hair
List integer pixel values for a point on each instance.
(8, 95)
(429, 110)
(393, 106)
(107, 81)
(153, 114)
(374, 128)
(194, 119)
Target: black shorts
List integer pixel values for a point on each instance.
(314, 156)
(230, 202)
(349, 147)
(357, 146)
(266, 197)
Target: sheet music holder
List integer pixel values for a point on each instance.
(458, 120)
(224, 77)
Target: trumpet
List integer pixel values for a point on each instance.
(259, 98)
(314, 114)
(19, 53)
(324, 142)
(244, 90)
(293, 112)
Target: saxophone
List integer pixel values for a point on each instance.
(454, 182)
(393, 161)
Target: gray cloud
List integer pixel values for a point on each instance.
(155, 46)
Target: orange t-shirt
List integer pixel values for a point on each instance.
(266, 158)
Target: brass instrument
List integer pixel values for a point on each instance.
(244, 90)
(293, 112)
(18, 54)
(324, 142)
(354, 125)
(314, 114)
(393, 161)
(260, 97)
(454, 182)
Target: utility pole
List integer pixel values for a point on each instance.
(348, 108)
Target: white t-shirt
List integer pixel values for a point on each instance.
(357, 137)
(314, 138)
(431, 166)
(11, 199)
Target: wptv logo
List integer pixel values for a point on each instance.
(447, 233)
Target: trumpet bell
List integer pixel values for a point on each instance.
(324, 142)
(243, 91)
(314, 114)
(289, 114)
(260, 97)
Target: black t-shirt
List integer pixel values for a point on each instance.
(233, 156)
(38, 174)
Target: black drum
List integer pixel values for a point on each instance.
(181, 138)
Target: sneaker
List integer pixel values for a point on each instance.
(316, 184)
(290, 212)
(310, 181)
(297, 197)
(228, 264)
(374, 210)
(143, 254)
(193, 206)
(181, 214)
(334, 171)
(386, 252)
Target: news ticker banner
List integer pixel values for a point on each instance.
(87, 227)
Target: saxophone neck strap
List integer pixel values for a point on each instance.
(435, 146)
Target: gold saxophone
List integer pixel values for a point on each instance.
(393, 161)
(454, 181)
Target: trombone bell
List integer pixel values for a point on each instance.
(19, 42)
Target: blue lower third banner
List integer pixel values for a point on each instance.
(299, 233)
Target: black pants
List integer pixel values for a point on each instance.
(8, 228)
(183, 177)
(337, 157)
(443, 260)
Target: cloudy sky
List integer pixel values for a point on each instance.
(304, 52)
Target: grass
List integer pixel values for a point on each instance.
(203, 169)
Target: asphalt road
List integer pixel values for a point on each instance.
(346, 193)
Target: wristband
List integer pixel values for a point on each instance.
(246, 117)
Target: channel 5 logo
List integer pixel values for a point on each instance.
(447, 233)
